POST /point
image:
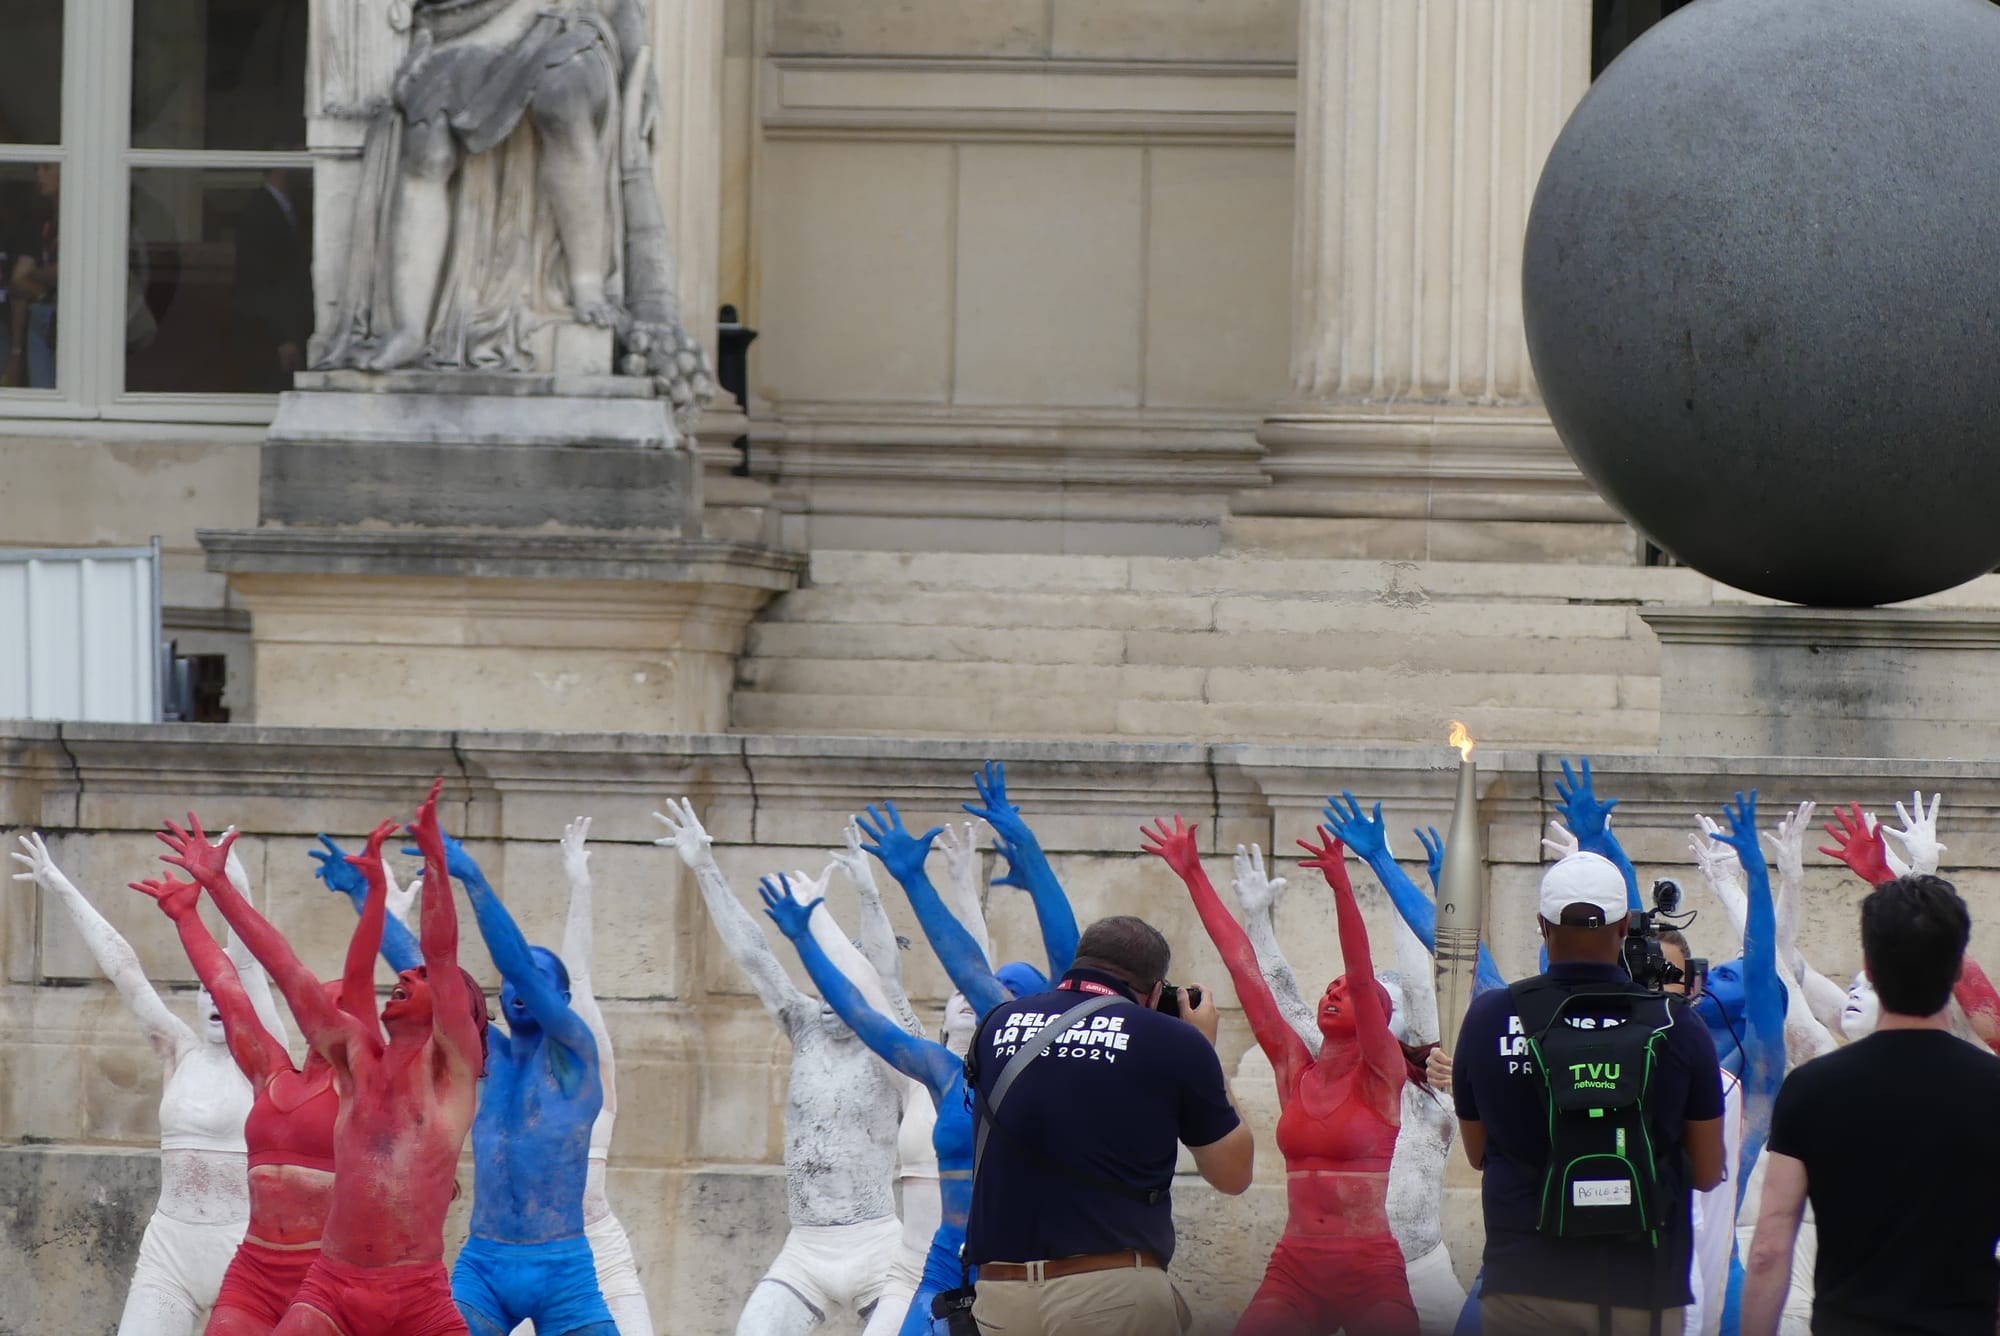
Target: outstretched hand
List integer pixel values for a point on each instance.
(336, 870)
(576, 858)
(685, 833)
(899, 851)
(1918, 839)
(1329, 856)
(1559, 841)
(1711, 855)
(1366, 835)
(177, 898)
(784, 908)
(41, 867)
(1588, 816)
(961, 854)
(993, 806)
(1788, 842)
(1255, 891)
(1742, 833)
(193, 854)
(1858, 843)
(368, 862)
(1433, 853)
(429, 835)
(1175, 844)
(851, 859)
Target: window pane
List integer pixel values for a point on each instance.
(28, 196)
(219, 279)
(31, 73)
(223, 74)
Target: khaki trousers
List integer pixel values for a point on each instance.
(1131, 1301)
(1526, 1315)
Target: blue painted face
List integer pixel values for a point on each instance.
(550, 967)
(1721, 1006)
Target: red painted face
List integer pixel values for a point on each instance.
(409, 1004)
(1336, 1008)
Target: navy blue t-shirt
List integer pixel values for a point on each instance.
(1113, 1096)
(1494, 1083)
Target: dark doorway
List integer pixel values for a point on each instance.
(1619, 23)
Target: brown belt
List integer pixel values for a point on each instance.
(1056, 1268)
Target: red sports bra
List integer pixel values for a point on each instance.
(291, 1121)
(1351, 1132)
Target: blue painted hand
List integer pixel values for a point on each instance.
(899, 851)
(784, 908)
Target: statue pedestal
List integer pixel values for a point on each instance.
(1787, 681)
(473, 551)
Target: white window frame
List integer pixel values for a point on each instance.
(97, 160)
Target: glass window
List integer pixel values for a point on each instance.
(31, 61)
(219, 74)
(218, 279)
(28, 269)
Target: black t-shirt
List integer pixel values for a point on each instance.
(1114, 1096)
(1494, 1083)
(1900, 1137)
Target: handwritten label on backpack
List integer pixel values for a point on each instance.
(1600, 1192)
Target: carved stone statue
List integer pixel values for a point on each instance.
(507, 191)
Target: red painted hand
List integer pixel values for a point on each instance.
(425, 829)
(370, 859)
(1175, 844)
(1329, 856)
(193, 854)
(1858, 846)
(178, 898)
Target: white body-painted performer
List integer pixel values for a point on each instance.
(841, 1115)
(204, 1205)
(1423, 1141)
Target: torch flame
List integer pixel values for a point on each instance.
(1461, 739)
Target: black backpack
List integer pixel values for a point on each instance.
(1596, 1052)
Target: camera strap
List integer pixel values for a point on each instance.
(1036, 1046)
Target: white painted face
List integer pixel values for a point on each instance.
(960, 1024)
(210, 1016)
(1863, 1011)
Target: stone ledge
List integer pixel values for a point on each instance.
(499, 555)
(1843, 628)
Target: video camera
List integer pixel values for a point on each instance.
(1645, 961)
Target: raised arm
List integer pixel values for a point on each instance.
(1589, 819)
(1368, 838)
(257, 1051)
(579, 946)
(1806, 1035)
(961, 884)
(1718, 865)
(256, 983)
(1764, 1003)
(903, 854)
(357, 975)
(1379, 1050)
(1027, 867)
(741, 936)
(1175, 845)
(1858, 843)
(399, 945)
(167, 1033)
(1918, 837)
(917, 1058)
(327, 1028)
(454, 1029)
(1258, 894)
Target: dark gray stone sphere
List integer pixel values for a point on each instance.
(1762, 291)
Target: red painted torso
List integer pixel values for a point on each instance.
(402, 1124)
(290, 1137)
(1337, 1143)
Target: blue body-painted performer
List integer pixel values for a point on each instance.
(527, 1258)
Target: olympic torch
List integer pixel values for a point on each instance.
(1461, 910)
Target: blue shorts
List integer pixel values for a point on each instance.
(552, 1284)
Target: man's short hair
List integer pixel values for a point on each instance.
(1675, 937)
(1913, 935)
(1127, 947)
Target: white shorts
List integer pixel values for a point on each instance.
(186, 1261)
(1435, 1291)
(617, 1271)
(838, 1268)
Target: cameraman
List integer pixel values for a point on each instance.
(1540, 1276)
(1072, 1221)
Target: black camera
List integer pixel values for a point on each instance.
(1171, 998)
(954, 1309)
(1645, 961)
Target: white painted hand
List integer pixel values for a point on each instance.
(1437, 1070)
(1716, 860)
(960, 845)
(1560, 842)
(42, 869)
(807, 889)
(1788, 842)
(576, 858)
(853, 862)
(1918, 838)
(685, 833)
(1255, 891)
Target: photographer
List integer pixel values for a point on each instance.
(1562, 1082)
(1071, 1209)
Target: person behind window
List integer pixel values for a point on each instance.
(31, 290)
(274, 298)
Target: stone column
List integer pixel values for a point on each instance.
(687, 150)
(1422, 129)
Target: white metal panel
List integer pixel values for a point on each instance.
(80, 634)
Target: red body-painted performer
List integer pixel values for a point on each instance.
(289, 1134)
(406, 1105)
(1338, 1266)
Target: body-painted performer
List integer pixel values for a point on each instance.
(406, 1104)
(841, 1114)
(1337, 1266)
(527, 1259)
(1423, 1141)
(204, 1204)
(1368, 838)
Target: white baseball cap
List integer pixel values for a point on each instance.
(1584, 879)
